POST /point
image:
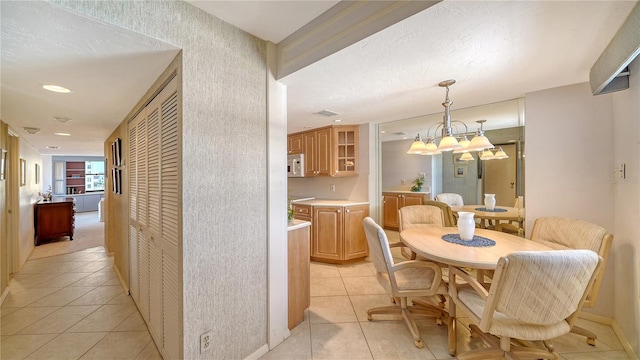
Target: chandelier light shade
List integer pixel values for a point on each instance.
(449, 143)
(500, 154)
(418, 147)
(486, 154)
(466, 157)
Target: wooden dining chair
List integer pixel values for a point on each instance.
(565, 233)
(401, 280)
(512, 226)
(432, 213)
(451, 199)
(535, 296)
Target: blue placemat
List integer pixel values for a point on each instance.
(477, 241)
(494, 209)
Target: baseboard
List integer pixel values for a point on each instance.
(123, 283)
(5, 293)
(625, 343)
(258, 353)
(595, 318)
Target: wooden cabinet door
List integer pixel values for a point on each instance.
(355, 245)
(310, 153)
(413, 199)
(390, 205)
(327, 240)
(345, 151)
(324, 153)
(294, 144)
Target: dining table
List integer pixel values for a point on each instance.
(498, 214)
(482, 254)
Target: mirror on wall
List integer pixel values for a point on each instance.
(504, 127)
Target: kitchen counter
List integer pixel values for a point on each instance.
(296, 224)
(407, 192)
(323, 202)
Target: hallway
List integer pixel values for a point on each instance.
(72, 306)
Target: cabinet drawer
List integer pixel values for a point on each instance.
(302, 209)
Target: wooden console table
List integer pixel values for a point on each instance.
(54, 219)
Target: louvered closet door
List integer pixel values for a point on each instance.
(134, 282)
(171, 223)
(143, 204)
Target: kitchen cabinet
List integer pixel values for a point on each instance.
(338, 233)
(328, 151)
(294, 144)
(317, 152)
(393, 201)
(54, 219)
(298, 272)
(301, 212)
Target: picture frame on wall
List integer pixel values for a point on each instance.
(3, 164)
(116, 152)
(457, 161)
(23, 172)
(460, 171)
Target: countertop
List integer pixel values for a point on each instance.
(297, 224)
(323, 202)
(406, 192)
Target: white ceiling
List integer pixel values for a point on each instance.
(496, 50)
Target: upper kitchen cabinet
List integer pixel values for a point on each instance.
(294, 144)
(328, 151)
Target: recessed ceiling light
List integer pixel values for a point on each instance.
(62, 134)
(382, 131)
(337, 120)
(53, 147)
(56, 88)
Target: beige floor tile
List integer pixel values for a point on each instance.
(596, 355)
(106, 318)
(95, 279)
(435, 337)
(60, 320)
(150, 352)
(27, 296)
(119, 345)
(63, 267)
(362, 303)
(95, 266)
(61, 297)
(331, 309)
(122, 299)
(24, 317)
(321, 270)
(20, 346)
(392, 340)
(368, 285)
(295, 347)
(327, 287)
(113, 282)
(7, 310)
(338, 341)
(607, 339)
(65, 279)
(19, 283)
(98, 296)
(357, 269)
(67, 346)
(134, 322)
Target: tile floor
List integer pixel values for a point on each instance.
(336, 326)
(72, 307)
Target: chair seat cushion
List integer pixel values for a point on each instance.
(503, 325)
(410, 279)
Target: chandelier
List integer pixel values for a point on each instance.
(450, 140)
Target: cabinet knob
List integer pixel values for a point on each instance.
(348, 210)
(338, 211)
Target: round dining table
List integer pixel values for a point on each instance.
(428, 242)
(503, 213)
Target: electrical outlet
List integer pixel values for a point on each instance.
(421, 175)
(402, 181)
(205, 342)
(333, 188)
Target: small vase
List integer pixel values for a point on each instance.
(490, 201)
(466, 225)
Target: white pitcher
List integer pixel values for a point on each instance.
(490, 201)
(466, 225)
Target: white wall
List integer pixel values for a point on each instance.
(397, 165)
(46, 173)
(28, 195)
(625, 257)
(569, 141)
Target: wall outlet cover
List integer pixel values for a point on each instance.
(205, 342)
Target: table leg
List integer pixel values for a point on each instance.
(451, 332)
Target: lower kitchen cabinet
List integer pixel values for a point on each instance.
(393, 201)
(338, 233)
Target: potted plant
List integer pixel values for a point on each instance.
(417, 184)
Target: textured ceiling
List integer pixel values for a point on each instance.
(496, 50)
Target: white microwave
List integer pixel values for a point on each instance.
(295, 165)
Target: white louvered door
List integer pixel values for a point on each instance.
(155, 219)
